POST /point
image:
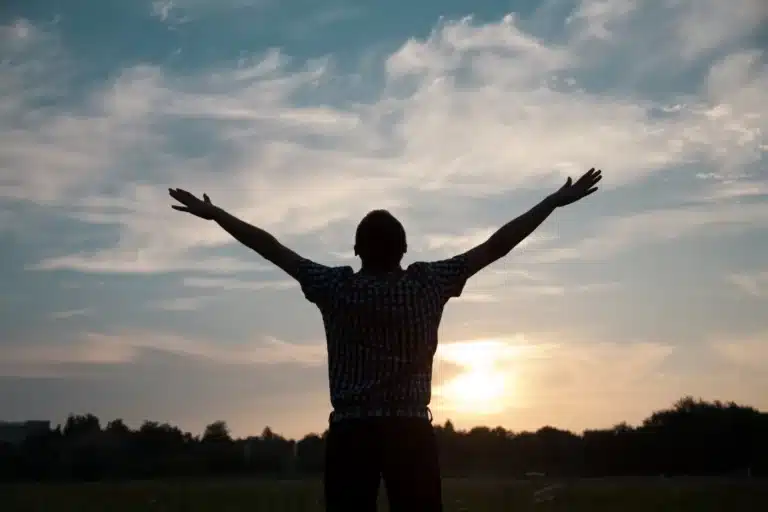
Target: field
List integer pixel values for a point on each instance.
(626, 495)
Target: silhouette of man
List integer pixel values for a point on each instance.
(381, 328)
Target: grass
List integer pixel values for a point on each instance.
(471, 495)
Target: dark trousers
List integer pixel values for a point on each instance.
(359, 452)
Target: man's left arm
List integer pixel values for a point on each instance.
(454, 272)
(508, 237)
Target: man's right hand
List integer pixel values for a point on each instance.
(202, 208)
(572, 192)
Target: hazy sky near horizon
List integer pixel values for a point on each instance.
(300, 116)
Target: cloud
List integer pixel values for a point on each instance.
(656, 226)
(750, 353)
(539, 371)
(162, 9)
(176, 12)
(552, 290)
(60, 315)
(725, 188)
(144, 261)
(126, 347)
(183, 303)
(458, 243)
(477, 297)
(238, 284)
(496, 285)
(322, 18)
(710, 24)
(474, 108)
(598, 18)
(755, 284)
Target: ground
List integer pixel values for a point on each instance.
(474, 495)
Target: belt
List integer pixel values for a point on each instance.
(380, 412)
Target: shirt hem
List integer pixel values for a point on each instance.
(380, 412)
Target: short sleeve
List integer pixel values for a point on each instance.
(449, 275)
(318, 281)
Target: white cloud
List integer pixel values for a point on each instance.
(749, 353)
(730, 188)
(87, 350)
(238, 284)
(183, 303)
(126, 347)
(754, 284)
(144, 261)
(496, 285)
(655, 226)
(60, 315)
(162, 9)
(473, 108)
(709, 24)
(555, 290)
(477, 297)
(457, 243)
(598, 18)
(175, 12)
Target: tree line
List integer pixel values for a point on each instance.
(693, 437)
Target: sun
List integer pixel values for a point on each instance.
(477, 391)
(481, 388)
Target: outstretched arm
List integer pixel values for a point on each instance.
(518, 229)
(252, 237)
(260, 241)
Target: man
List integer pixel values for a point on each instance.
(381, 328)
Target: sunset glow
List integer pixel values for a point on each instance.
(485, 386)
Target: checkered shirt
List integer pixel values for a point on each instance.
(381, 333)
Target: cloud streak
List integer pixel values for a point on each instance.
(657, 226)
(127, 347)
(61, 315)
(755, 284)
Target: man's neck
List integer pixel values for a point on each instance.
(380, 271)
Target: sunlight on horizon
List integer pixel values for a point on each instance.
(487, 383)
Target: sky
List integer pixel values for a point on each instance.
(300, 116)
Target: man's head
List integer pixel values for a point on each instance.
(380, 240)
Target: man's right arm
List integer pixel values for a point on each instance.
(315, 279)
(260, 241)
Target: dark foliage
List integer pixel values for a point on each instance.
(691, 438)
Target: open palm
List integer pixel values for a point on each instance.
(572, 192)
(202, 208)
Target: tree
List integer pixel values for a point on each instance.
(218, 431)
(692, 437)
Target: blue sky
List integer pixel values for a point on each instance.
(300, 117)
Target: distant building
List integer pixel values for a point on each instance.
(15, 432)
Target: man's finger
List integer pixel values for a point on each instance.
(584, 178)
(180, 208)
(588, 181)
(206, 198)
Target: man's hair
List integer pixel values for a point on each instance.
(380, 240)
